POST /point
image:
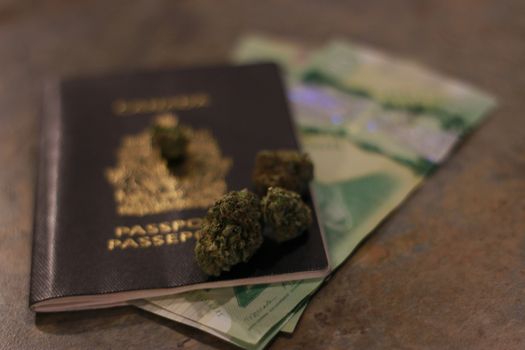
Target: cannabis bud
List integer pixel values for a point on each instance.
(285, 213)
(170, 137)
(288, 169)
(231, 232)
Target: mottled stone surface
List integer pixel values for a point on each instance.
(446, 271)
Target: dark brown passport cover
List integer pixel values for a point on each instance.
(80, 246)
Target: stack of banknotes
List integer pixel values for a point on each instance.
(374, 126)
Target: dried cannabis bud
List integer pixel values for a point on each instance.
(288, 169)
(170, 137)
(231, 232)
(285, 213)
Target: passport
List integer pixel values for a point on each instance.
(113, 224)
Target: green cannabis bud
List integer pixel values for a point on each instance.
(285, 214)
(170, 137)
(288, 169)
(231, 232)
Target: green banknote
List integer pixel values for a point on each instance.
(398, 84)
(414, 139)
(244, 314)
(371, 145)
(224, 336)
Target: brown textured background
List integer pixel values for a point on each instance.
(447, 270)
